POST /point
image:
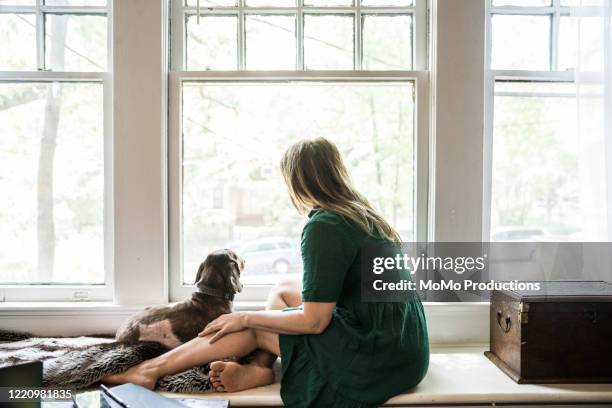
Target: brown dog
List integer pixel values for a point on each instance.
(217, 281)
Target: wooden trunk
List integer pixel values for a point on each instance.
(559, 334)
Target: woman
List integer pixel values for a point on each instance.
(335, 350)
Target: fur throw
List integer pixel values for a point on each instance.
(80, 362)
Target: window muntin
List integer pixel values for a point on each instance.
(55, 120)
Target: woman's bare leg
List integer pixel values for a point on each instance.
(287, 293)
(197, 352)
(232, 377)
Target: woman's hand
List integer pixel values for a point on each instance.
(225, 324)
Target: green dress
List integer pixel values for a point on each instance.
(370, 352)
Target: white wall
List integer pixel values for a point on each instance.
(140, 74)
(459, 121)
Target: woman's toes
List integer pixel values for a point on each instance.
(217, 366)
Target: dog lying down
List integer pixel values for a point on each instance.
(217, 281)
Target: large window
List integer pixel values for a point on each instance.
(248, 79)
(534, 119)
(53, 142)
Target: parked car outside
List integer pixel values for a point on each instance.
(270, 255)
(518, 233)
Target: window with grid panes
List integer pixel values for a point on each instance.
(54, 119)
(252, 76)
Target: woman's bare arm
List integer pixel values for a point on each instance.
(313, 318)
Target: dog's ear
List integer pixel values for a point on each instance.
(236, 264)
(235, 277)
(200, 274)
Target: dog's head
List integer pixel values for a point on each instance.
(220, 271)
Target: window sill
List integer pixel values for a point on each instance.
(106, 308)
(456, 376)
(448, 323)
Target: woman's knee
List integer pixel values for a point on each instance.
(267, 341)
(285, 293)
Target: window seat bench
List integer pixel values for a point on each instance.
(458, 375)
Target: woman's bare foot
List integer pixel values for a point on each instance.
(232, 377)
(140, 374)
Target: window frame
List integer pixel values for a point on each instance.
(258, 292)
(71, 292)
(178, 74)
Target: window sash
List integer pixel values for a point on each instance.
(79, 292)
(180, 12)
(258, 292)
(556, 11)
(491, 78)
(72, 292)
(41, 10)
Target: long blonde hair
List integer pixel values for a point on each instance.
(317, 178)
